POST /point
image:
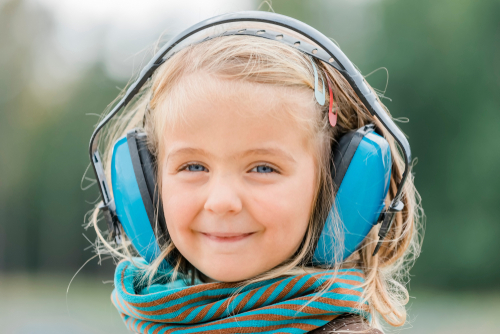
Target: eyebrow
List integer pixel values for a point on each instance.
(257, 151)
(268, 151)
(188, 150)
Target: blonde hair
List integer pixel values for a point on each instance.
(261, 61)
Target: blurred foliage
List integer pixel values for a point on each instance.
(44, 151)
(444, 63)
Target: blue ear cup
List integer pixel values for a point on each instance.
(362, 168)
(135, 194)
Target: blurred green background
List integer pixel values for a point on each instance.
(62, 62)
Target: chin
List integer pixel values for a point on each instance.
(228, 273)
(228, 277)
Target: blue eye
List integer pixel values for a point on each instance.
(195, 168)
(263, 169)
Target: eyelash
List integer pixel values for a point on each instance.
(274, 170)
(186, 166)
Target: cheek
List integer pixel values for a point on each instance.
(285, 210)
(180, 206)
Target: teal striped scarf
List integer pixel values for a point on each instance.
(272, 306)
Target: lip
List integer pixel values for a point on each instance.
(227, 237)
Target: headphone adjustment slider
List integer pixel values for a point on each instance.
(112, 221)
(386, 217)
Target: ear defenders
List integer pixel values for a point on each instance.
(361, 161)
(361, 165)
(138, 205)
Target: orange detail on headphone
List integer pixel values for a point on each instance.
(331, 116)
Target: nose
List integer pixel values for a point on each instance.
(223, 197)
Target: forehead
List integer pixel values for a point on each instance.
(201, 96)
(205, 108)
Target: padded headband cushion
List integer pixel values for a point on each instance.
(145, 163)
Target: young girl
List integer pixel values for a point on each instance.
(240, 142)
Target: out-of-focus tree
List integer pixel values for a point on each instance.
(21, 29)
(444, 63)
(444, 58)
(43, 156)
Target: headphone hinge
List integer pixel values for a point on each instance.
(386, 217)
(381, 217)
(112, 221)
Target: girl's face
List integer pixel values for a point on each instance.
(238, 181)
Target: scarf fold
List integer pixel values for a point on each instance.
(271, 306)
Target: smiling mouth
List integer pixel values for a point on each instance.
(227, 237)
